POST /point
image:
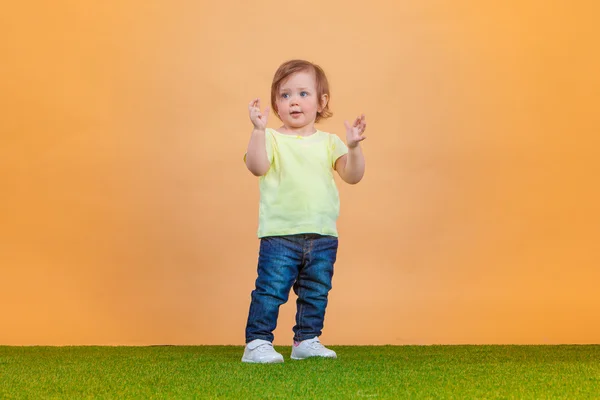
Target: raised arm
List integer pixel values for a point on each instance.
(351, 166)
(257, 160)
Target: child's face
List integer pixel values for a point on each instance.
(297, 100)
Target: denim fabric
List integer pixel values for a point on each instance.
(304, 262)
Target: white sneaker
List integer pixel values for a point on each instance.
(261, 351)
(311, 348)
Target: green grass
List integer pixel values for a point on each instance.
(360, 372)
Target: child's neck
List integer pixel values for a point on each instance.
(306, 130)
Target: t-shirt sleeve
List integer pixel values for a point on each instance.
(338, 149)
(269, 139)
(270, 144)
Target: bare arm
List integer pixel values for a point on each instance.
(257, 160)
(351, 166)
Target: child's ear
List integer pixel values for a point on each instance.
(324, 101)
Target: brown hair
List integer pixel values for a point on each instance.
(291, 67)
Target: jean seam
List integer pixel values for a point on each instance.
(300, 314)
(305, 255)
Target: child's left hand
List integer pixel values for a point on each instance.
(354, 132)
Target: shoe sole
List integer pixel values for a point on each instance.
(261, 362)
(304, 358)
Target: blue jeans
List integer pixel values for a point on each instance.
(304, 262)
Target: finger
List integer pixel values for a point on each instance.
(347, 125)
(251, 104)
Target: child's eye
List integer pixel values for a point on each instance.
(303, 94)
(285, 95)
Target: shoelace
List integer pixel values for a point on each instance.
(264, 347)
(317, 345)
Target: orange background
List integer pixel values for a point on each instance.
(128, 217)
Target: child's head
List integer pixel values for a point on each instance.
(300, 93)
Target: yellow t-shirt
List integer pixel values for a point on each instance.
(298, 194)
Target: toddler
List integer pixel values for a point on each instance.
(299, 207)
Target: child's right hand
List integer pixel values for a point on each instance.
(258, 119)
